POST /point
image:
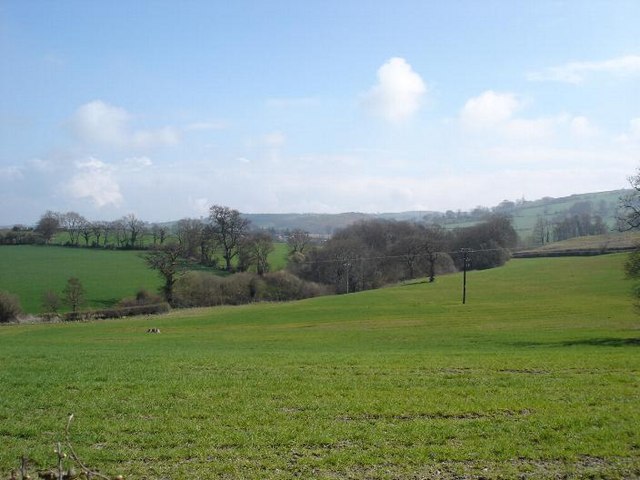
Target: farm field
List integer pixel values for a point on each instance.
(592, 242)
(107, 275)
(525, 216)
(538, 376)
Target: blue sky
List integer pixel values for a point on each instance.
(163, 108)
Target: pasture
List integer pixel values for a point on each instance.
(538, 376)
(107, 275)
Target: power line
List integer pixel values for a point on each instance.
(383, 257)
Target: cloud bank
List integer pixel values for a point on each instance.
(102, 124)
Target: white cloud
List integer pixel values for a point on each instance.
(151, 138)
(496, 113)
(94, 180)
(581, 127)
(489, 109)
(576, 72)
(553, 157)
(631, 136)
(137, 163)
(398, 93)
(99, 123)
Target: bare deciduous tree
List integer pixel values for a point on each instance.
(228, 229)
(167, 261)
(74, 293)
(48, 225)
(73, 222)
(51, 301)
(188, 232)
(86, 230)
(134, 228)
(159, 233)
(297, 241)
(254, 251)
(629, 206)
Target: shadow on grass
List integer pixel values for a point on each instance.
(414, 282)
(604, 342)
(593, 342)
(104, 302)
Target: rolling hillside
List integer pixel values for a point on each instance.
(524, 213)
(536, 377)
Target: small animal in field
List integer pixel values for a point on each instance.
(153, 330)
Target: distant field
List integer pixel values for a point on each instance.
(525, 216)
(538, 376)
(108, 276)
(278, 258)
(593, 242)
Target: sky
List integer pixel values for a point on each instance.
(164, 108)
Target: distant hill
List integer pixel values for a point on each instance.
(324, 223)
(525, 213)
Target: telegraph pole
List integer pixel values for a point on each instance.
(465, 265)
(348, 266)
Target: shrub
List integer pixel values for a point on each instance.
(116, 312)
(283, 285)
(74, 293)
(51, 302)
(201, 289)
(143, 297)
(198, 289)
(444, 264)
(10, 307)
(240, 288)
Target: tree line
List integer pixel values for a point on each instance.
(373, 253)
(578, 222)
(224, 237)
(365, 255)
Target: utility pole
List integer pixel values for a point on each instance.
(465, 264)
(348, 267)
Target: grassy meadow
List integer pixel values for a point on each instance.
(107, 275)
(537, 376)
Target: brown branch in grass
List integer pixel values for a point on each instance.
(87, 471)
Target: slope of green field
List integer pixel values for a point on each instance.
(107, 276)
(278, 258)
(538, 376)
(617, 240)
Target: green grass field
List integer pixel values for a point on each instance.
(525, 216)
(538, 376)
(107, 275)
(593, 242)
(278, 258)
